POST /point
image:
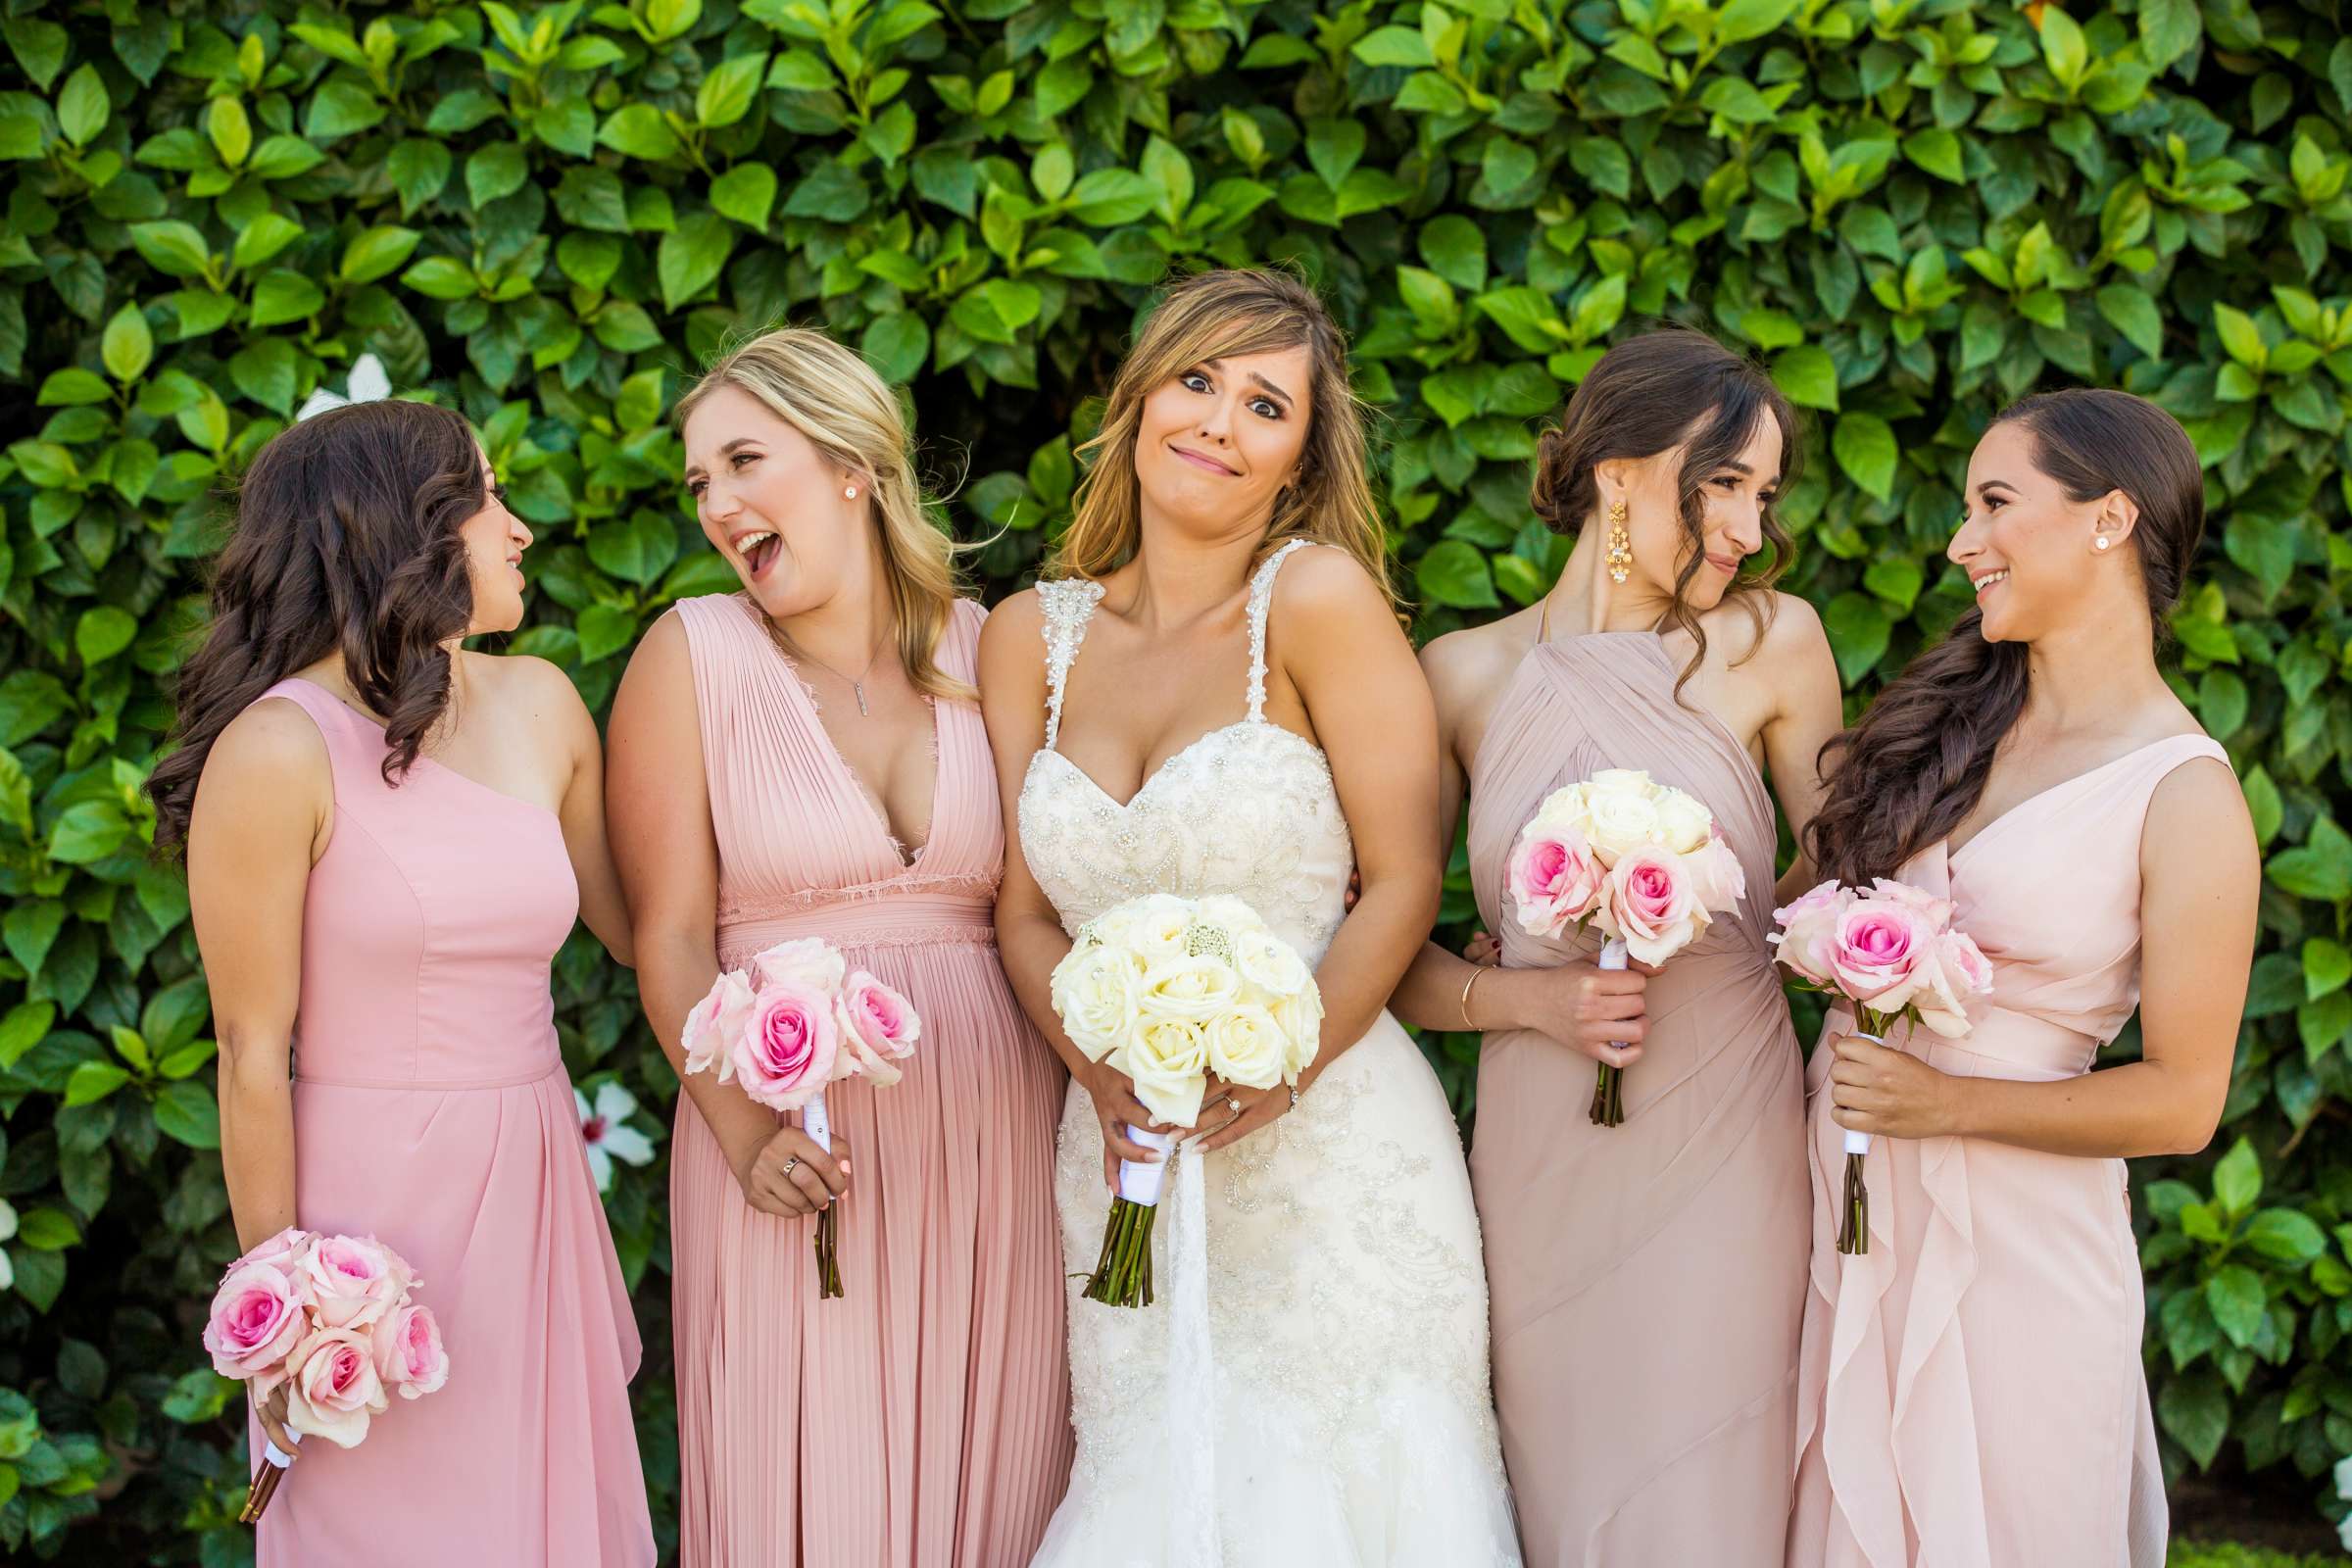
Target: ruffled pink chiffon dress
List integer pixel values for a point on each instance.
(1972, 1394)
(923, 1419)
(431, 1110)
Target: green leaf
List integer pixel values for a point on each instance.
(25, 1026)
(48, 1229)
(1453, 572)
(895, 346)
(284, 295)
(172, 248)
(498, 170)
(2132, 313)
(73, 387)
(2237, 1301)
(730, 89)
(2237, 1178)
(93, 1080)
(1394, 46)
(2241, 339)
(185, 1112)
(1865, 448)
(340, 108)
(375, 252)
(2320, 870)
(82, 110)
(1937, 151)
(1858, 630)
(691, 256)
(2287, 1236)
(638, 131)
(2063, 46)
(127, 347)
(1807, 376)
(102, 632)
(746, 193)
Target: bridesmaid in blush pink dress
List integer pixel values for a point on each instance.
(804, 758)
(1646, 1279)
(389, 937)
(1972, 1394)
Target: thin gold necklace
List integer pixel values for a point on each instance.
(794, 652)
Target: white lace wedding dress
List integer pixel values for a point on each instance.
(1310, 1387)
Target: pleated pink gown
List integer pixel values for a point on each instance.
(431, 1110)
(1971, 1392)
(921, 1420)
(1645, 1280)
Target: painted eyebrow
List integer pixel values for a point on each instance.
(1984, 485)
(727, 451)
(1263, 385)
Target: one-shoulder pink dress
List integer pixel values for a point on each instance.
(1972, 1394)
(923, 1419)
(1646, 1279)
(431, 1110)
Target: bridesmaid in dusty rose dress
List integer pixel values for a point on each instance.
(1646, 1279)
(390, 838)
(1971, 1389)
(806, 758)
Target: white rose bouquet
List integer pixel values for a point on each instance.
(1640, 860)
(1171, 990)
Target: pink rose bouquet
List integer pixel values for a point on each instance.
(795, 1020)
(1638, 858)
(329, 1318)
(1890, 955)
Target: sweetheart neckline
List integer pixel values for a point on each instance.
(1170, 761)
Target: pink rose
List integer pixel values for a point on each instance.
(353, 1280)
(877, 1024)
(786, 1052)
(1953, 972)
(1939, 911)
(1967, 963)
(1881, 952)
(407, 1351)
(809, 962)
(1808, 928)
(1718, 881)
(1651, 904)
(715, 1021)
(334, 1388)
(257, 1318)
(282, 1252)
(1554, 880)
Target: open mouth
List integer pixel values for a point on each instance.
(758, 551)
(1980, 584)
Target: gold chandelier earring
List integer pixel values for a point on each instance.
(1621, 544)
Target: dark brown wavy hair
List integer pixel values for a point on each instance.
(1674, 386)
(1916, 766)
(345, 542)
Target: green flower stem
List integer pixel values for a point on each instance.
(1123, 1275)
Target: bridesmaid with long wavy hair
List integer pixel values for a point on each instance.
(1971, 1392)
(805, 758)
(1645, 1418)
(387, 839)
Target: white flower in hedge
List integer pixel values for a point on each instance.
(2344, 1488)
(8, 1231)
(605, 1128)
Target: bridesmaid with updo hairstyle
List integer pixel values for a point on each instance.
(1646, 1277)
(1971, 1392)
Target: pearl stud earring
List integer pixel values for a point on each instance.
(850, 493)
(2104, 543)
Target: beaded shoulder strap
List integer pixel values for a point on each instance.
(1068, 604)
(1262, 598)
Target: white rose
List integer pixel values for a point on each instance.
(1234, 914)
(1300, 1019)
(1620, 781)
(1168, 1060)
(1247, 1046)
(809, 962)
(1193, 989)
(1621, 821)
(1157, 924)
(1271, 965)
(1566, 808)
(1094, 993)
(1683, 823)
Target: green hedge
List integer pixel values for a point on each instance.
(1914, 210)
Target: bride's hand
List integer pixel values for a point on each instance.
(1117, 1109)
(1224, 1123)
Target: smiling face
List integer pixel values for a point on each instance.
(1733, 500)
(1216, 443)
(495, 540)
(772, 503)
(2027, 546)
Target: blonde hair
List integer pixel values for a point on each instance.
(1216, 315)
(834, 398)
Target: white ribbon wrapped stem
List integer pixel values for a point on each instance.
(1859, 1142)
(1139, 1183)
(1612, 956)
(814, 1124)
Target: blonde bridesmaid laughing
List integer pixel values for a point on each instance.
(805, 758)
(1971, 1389)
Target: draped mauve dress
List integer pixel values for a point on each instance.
(923, 1419)
(1647, 1280)
(1971, 1392)
(433, 1111)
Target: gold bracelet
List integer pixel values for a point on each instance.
(1476, 972)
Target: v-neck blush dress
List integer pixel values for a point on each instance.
(1971, 1392)
(923, 1419)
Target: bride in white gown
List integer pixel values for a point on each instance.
(1310, 1385)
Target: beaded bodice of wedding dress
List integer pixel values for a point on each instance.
(1311, 1385)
